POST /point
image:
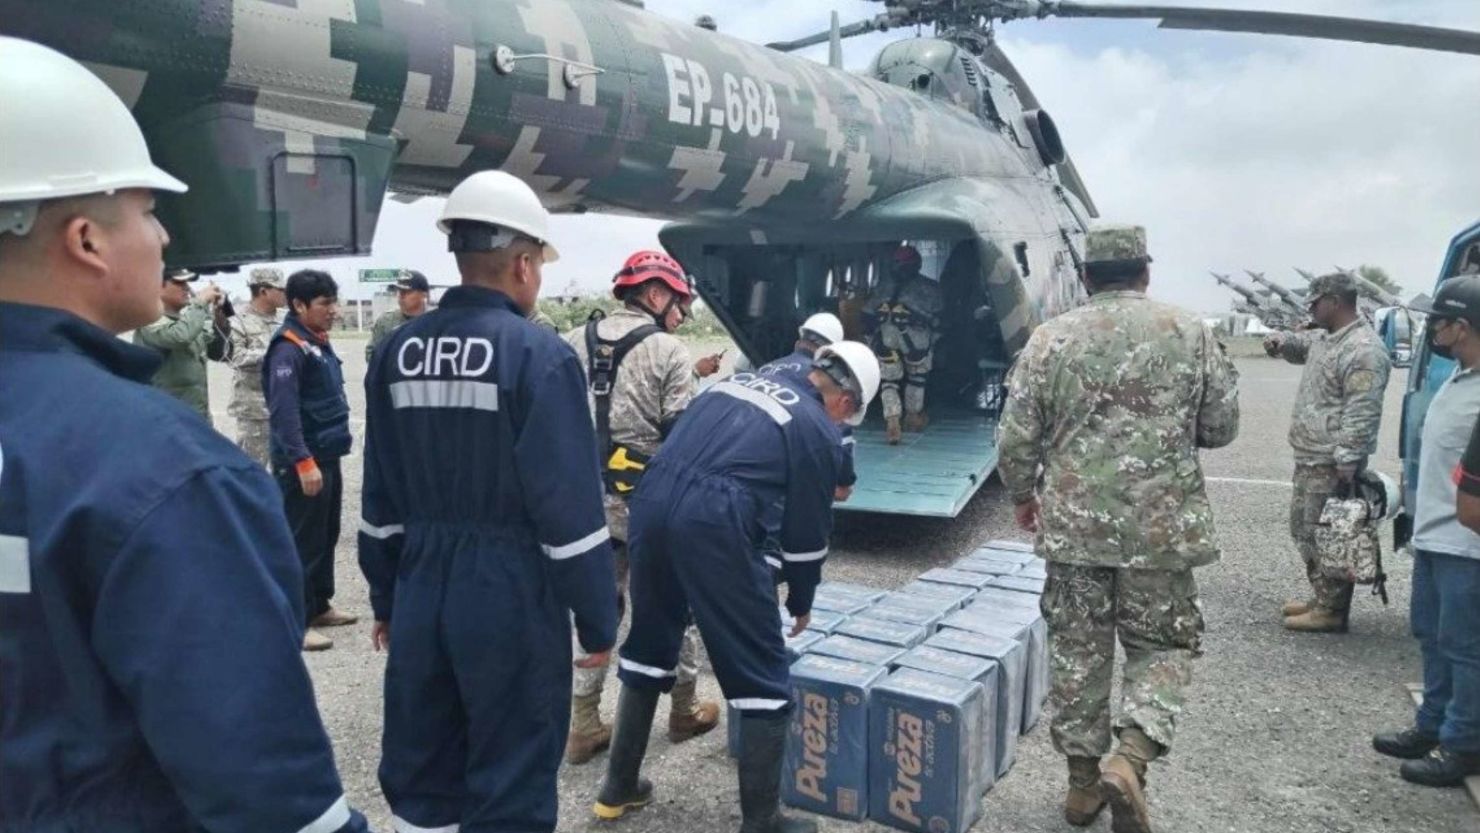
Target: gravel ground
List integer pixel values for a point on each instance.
(1276, 735)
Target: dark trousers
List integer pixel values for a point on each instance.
(315, 524)
(1445, 615)
(692, 547)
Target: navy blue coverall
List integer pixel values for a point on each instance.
(753, 458)
(150, 612)
(798, 365)
(483, 529)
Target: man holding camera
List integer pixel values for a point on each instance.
(192, 326)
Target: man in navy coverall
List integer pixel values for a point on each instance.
(816, 332)
(129, 701)
(753, 458)
(483, 530)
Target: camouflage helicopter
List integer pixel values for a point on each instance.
(789, 181)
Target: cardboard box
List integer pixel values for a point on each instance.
(826, 765)
(922, 617)
(822, 621)
(1037, 568)
(978, 670)
(960, 578)
(1010, 546)
(1027, 626)
(1000, 553)
(957, 595)
(857, 650)
(1002, 597)
(922, 730)
(1020, 583)
(842, 588)
(843, 605)
(1011, 661)
(889, 632)
(798, 645)
(990, 566)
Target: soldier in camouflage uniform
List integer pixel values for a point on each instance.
(412, 292)
(1334, 428)
(903, 314)
(250, 333)
(192, 326)
(542, 318)
(652, 386)
(1107, 408)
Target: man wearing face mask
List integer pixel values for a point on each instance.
(1333, 430)
(1442, 747)
(640, 381)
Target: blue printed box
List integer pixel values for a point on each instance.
(843, 588)
(919, 616)
(857, 650)
(1027, 626)
(960, 578)
(923, 728)
(826, 765)
(889, 632)
(990, 566)
(1020, 583)
(957, 595)
(1007, 712)
(979, 670)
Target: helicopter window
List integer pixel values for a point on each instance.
(1021, 251)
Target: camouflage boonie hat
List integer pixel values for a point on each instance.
(1116, 243)
(1335, 283)
(267, 277)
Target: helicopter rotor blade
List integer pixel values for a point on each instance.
(862, 27)
(1323, 27)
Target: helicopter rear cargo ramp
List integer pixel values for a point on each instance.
(933, 473)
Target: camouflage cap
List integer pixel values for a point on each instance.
(1116, 243)
(1336, 283)
(264, 276)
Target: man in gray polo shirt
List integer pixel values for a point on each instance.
(1443, 745)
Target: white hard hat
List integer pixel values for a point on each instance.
(499, 199)
(63, 134)
(1381, 493)
(824, 325)
(862, 365)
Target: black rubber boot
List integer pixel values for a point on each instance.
(1409, 744)
(762, 742)
(624, 789)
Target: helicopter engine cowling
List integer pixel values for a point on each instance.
(1046, 137)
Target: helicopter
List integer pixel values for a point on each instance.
(788, 182)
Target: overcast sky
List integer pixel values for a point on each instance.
(1236, 151)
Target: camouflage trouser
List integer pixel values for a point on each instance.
(1159, 620)
(897, 364)
(253, 436)
(1313, 485)
(588, 681)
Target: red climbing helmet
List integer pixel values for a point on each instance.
(652, 266)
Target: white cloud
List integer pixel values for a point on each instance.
(1235, 151)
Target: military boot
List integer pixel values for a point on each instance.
(315, 641)
(588, 735)
(1296, 608)
(624, 788)
(1123, 782)
(891, 430)
(762, 740)
(1084, 802)
(916, 422)
(687, 716)
(1318, 620)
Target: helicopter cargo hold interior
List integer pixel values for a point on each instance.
(762, 293)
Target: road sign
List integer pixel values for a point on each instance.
(381, 275)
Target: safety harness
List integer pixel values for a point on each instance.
(624, 466)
